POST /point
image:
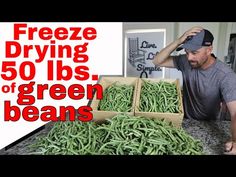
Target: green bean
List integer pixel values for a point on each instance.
(120, 135)
(159, 97)
(117, 97)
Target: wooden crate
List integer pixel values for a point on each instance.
(99, 115)
(175, 118)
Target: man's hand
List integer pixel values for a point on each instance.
(230, 148)
(191, 32)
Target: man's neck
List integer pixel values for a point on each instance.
(210, 61)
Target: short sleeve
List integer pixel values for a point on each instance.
(228, 87)
(180, 62)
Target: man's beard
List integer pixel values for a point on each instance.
(196, 64)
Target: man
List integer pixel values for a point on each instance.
(207, 82)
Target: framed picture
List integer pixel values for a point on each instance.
(140, 48)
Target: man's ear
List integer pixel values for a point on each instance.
(209, 50)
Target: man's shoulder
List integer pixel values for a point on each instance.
(182, 58)
(224, 71)
(222, 67)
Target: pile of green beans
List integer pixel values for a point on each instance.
(159, 97)
(117, 97)
(120, 135)
(66, 138)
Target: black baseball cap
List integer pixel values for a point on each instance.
(192, 43)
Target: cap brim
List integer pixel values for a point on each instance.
(189, 47)
(179, 48)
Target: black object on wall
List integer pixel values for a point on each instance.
(231, 56)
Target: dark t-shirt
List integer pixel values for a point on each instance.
(204, 90)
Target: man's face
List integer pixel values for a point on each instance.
(198, 58)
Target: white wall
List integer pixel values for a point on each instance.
(234, 28)
(169, 26)
(223, 41)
